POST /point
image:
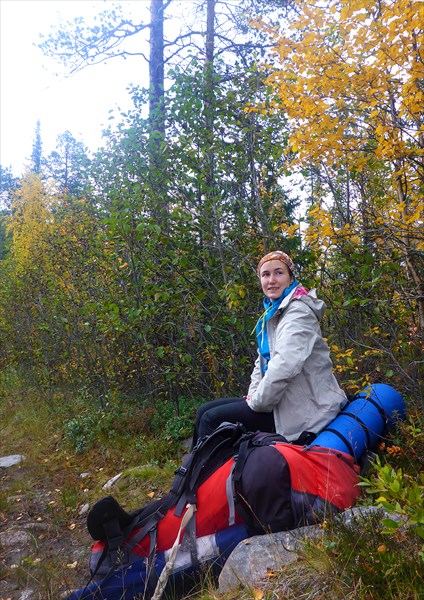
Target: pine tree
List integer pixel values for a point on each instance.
(37, 153)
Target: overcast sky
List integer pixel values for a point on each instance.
(30, 91)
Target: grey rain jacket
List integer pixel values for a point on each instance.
(299, 385)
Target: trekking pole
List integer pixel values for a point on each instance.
(164, 576)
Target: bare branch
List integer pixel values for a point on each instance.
(77, 46)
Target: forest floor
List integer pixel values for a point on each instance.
(44, 500)
(44, 545)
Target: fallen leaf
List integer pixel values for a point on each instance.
(258, 594)
(150, 494)
(271, 573)
(72, 565)
(72, 526)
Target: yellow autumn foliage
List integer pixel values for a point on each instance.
(351, 73)
(31, 220)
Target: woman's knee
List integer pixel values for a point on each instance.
(213, 405)
(209, 421)
(227, 411)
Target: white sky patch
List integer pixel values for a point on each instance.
(30, 91)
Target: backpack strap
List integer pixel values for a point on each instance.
(240, 459)
(111, 530)
(209, 453)
(230, 491)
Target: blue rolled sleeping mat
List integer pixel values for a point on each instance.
(363, 421)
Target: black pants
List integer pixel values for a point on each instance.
(210, 415)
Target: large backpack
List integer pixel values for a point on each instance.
(131, 542)
(240, 483)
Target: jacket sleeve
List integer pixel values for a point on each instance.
(296, 335)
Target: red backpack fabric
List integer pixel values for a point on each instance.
(212, 515)
(280, 486)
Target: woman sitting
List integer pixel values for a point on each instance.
(293, 390)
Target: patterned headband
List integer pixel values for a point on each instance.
(278, 255)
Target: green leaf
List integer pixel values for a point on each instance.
(390, 523)
(395, 486)
(420, 516)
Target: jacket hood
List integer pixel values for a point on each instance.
(317, 306)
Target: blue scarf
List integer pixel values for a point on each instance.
(271, 307)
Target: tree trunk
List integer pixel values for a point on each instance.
(209, 119)
(157, 163)
(156, 74)
(413, 259)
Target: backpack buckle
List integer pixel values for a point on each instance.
(180, 471)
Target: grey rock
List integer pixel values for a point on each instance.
(14, 537)
(248, 564)
(84, 509)
(351, 516)
(16, 544)
(250, 561)
(11, 460)
(112, 481)
(27, 595)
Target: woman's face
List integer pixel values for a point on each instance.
(275, 278)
